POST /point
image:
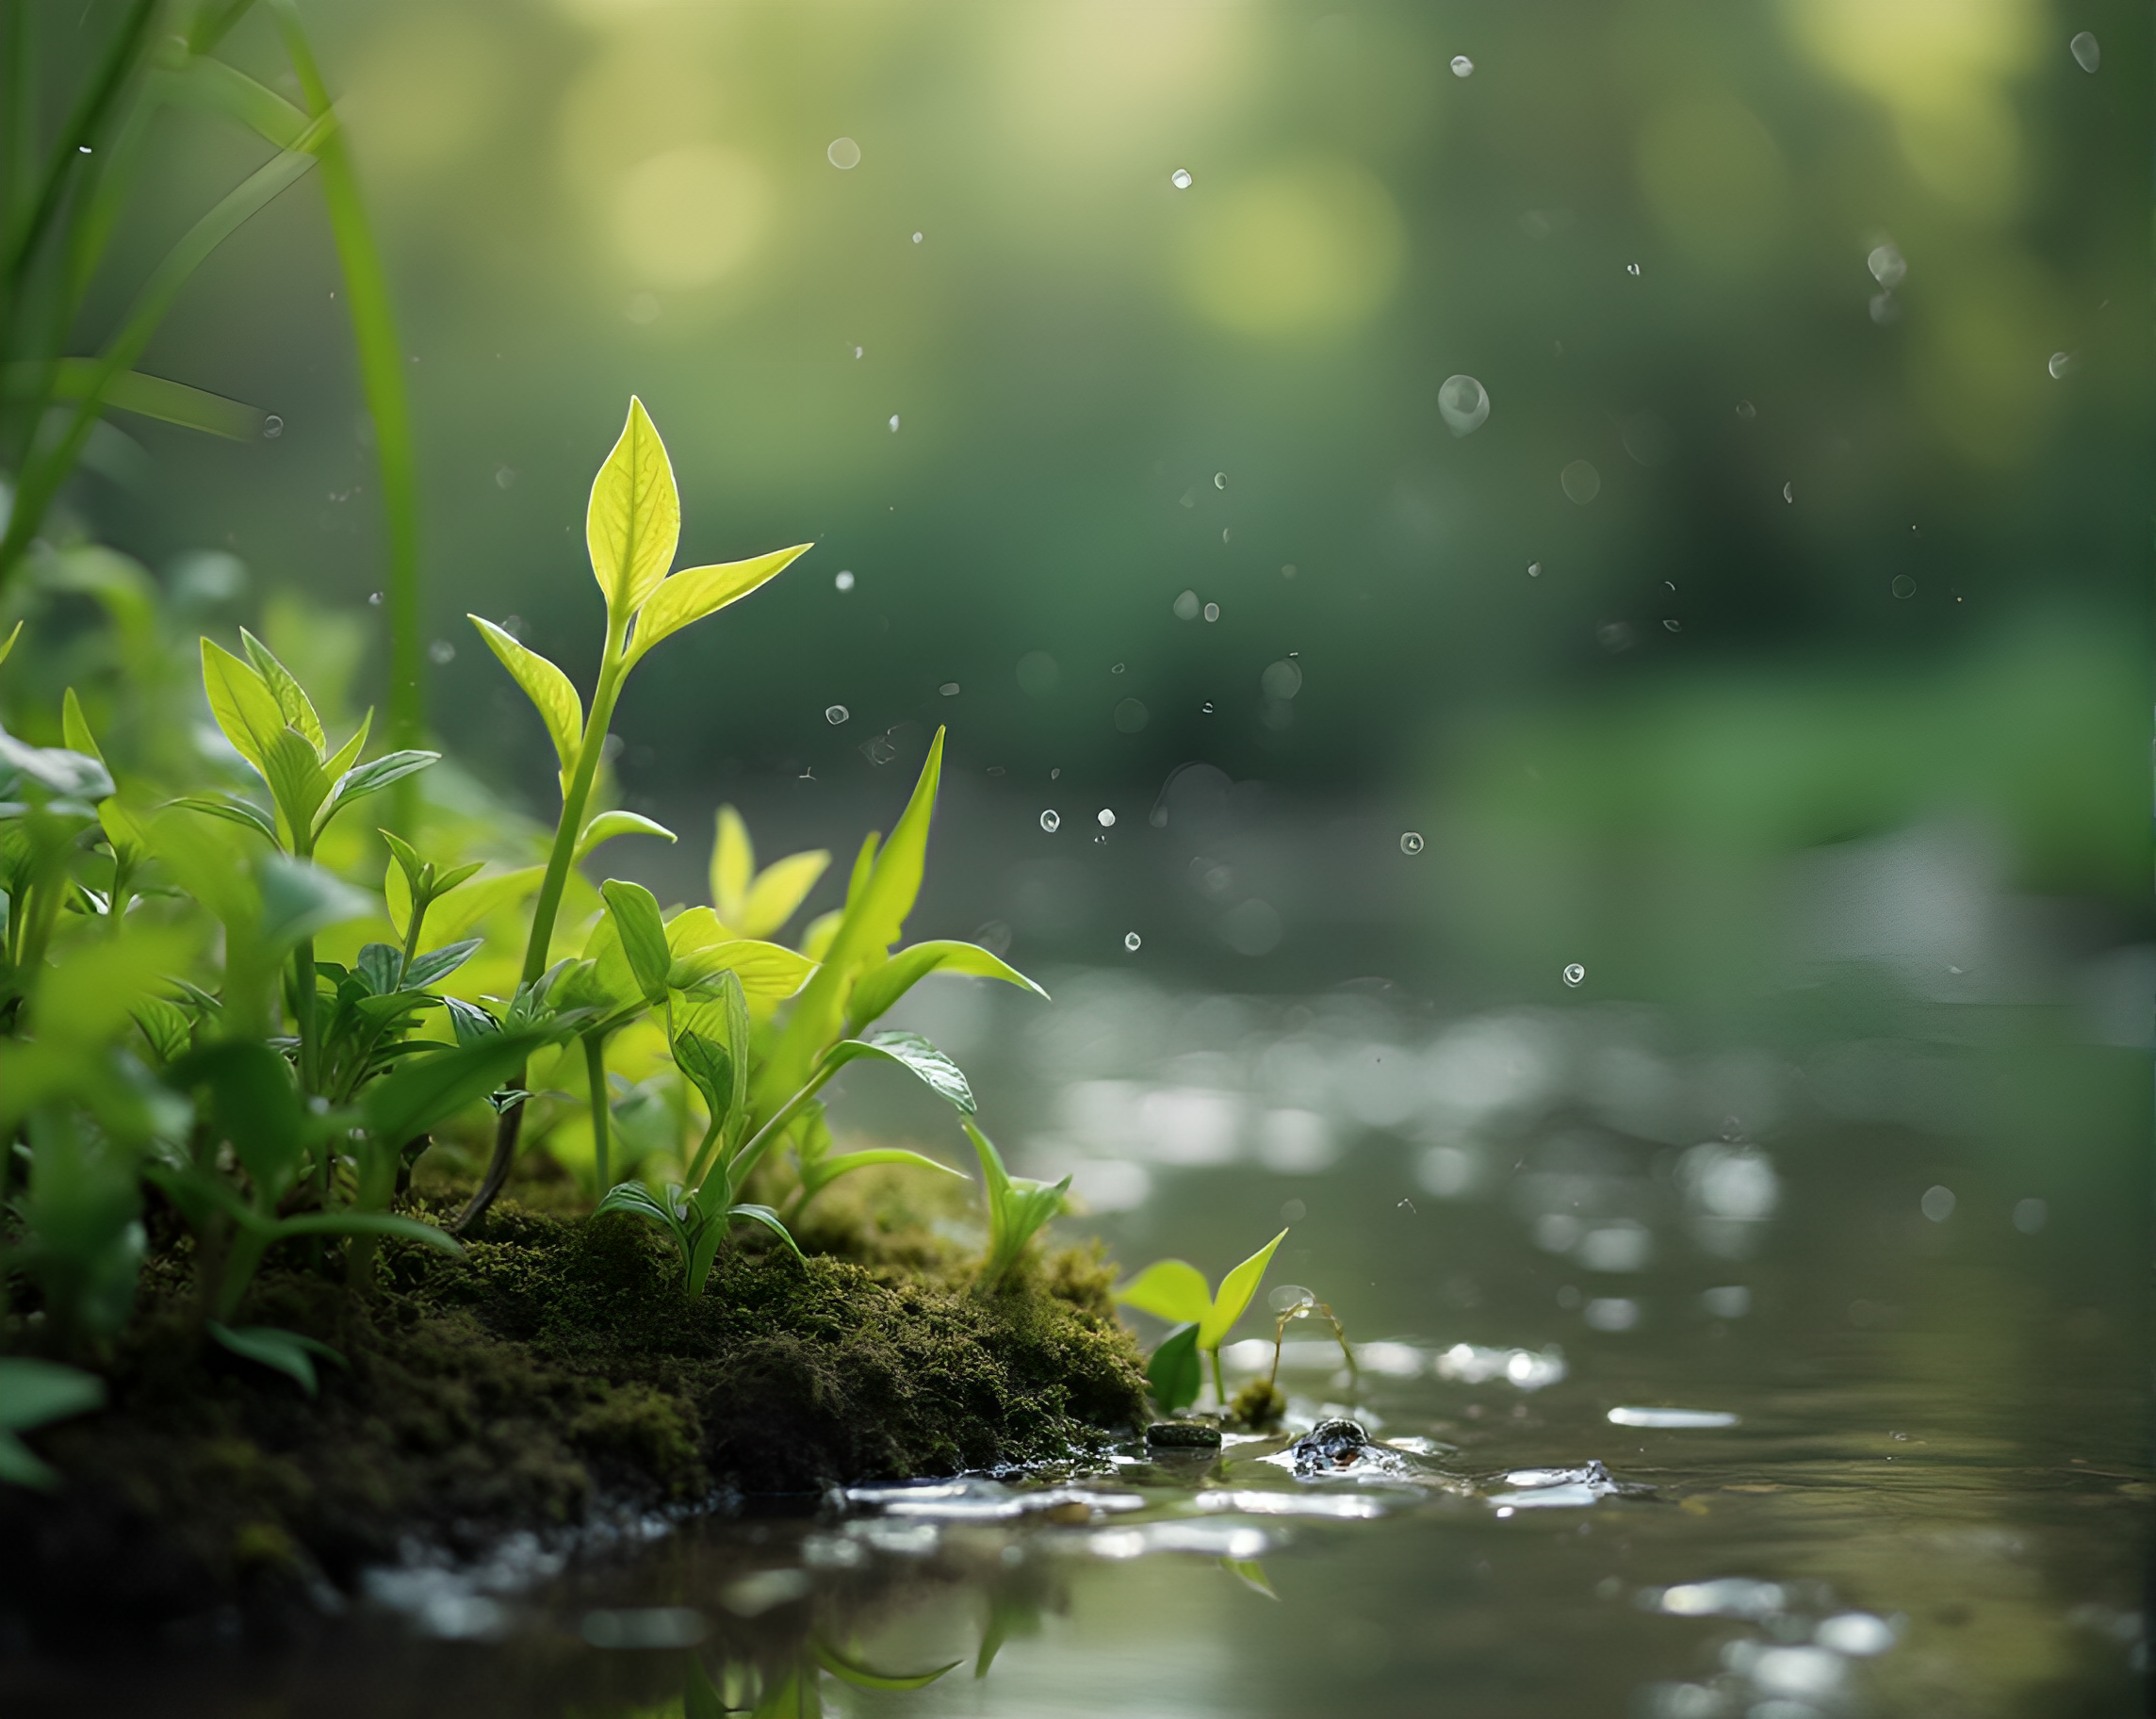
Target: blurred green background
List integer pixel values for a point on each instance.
(1810, 504)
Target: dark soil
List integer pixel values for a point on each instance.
(557, 1375)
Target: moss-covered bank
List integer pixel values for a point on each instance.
(556, 1373)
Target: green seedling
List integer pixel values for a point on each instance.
(1175, 1289)
(35, 1394)
(1018, 1207)
(633, 525)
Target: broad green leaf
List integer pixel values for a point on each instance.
(121, 830)
(881, 987)
(779, 888)
(242, 703)
(453, 916)
(296, 781)
(608, 824)
(292, 700)
(1174, 1377)
(702, 948)
(372, 777)
(642, 933)
(299, 899)
(1168, 1289)
(75, 729)
(33, 1392)
(823, 930)
(285, 1351)
(710, 1067)
(20, 1466)
(234, 811)
(696, 592)
(426, 1090)
(1234, 1294)
(860, 1676)
(733, 868)
(633, 521)
(915, 1055)
(88, 998)
(550, 690)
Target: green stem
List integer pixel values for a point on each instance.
(594, 1077)
(699, 1166)
(747, 1158)
(1219, 1384)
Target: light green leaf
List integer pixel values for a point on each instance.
(368, 778)
(348, 754)
(550, 690)
(696, 592)
(453, 915)
(299, 899)
(1251, 1573)
(608, 824)
(703, 948)
(242, 703)
(771, 1220)
(285, 1351)
(779, 888)
(915, 1055)
(642, 933)
(7, 644)
(881, 987)
(74, 728)
(233, 811)
(633, 521)
(733, 868)
(1169, 1289)
(297, 783)
(831, 1168)
(1234, 1294)
(291, 698)
(822, 931)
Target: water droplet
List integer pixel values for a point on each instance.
(1052, 821)
(1180, 178)
(1281, 679)
(1885, 309)
(1632, 268)
(1534, 569)
(1887, 265)
(441, 651)
(858, 352)
(1746, 409)
(2087, 52)
(374, 598)
(844, 581)
(1938, 1204)
(1056, 774)
(948, 689)
(1219, 479)
(1106, 818)
(1463, 66)
(1580, 483)
(1672, 626)
(1131, 715)
(2060, 366)
(1575, 973)
(1463, 404)
(894, 423)
(917, 238)
(1286, 1298)
(272, 427)
(1790, 492)
(1903, 586)
(1212, 611)
(81, 149)
(1206, 707)
(1412, 841)
(1187, 606)
(843, 153)
(836, 713)
(1288, 571)
(1117, 669)
(1226, 533)
(1132, 941)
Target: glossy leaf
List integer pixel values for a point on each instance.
(242, 704)
(1234, 1294)
(234, 811)
(296, 781)
(426, 1090)
(473, 901)
(915, 1055)
(633, 521)
(703, 948)
(373, 778)
(770, 1220)
(1172, 1289)
(693, 593)
(1173, 1376)
(551, 690)
(434, 965)
(882, 986)
(292, 702)
(1017, 1206)
(285, 1351)
(75, 729)
(170, 402)
(608, 824)
(839, 1164)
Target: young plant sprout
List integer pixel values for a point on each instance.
(1017, 1207)
(1175, 1289)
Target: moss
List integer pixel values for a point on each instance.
(557, 1368)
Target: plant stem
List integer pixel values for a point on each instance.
(1219, 1384)
(594, 1077)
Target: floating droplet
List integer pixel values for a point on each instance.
(1180, 178)
(1206, 707)
(844, 579)
(1226, 533)
(1106, 818)
(374, 598)
(1187, 606)
(2059, 364)
(1288, 570)
(1534, 569)
(1886, 311)
(1219, 479)
(1117, 669)
(505, 476)
(1903, 586)
(1938, 1204)
(948, 689)
(858, 352)
(836, 713)
(917, 238)
(1212, 611)
(1132, 941)
(1286, 1298)
(272, 427)
(1281, 679)
(1131, 715)
(1463, 66)
(1575, 973)
(1672, 626)
(1580, 483)
(1790, 492)
(1052, 821)
(1463, 404)
(843, 153)
(2087, 52)
(1887, 265)
(441, 651)
(1746, 409)
(1632, 268)
(894, 423)
(1412, 841)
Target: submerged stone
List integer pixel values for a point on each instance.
(1184, 1435)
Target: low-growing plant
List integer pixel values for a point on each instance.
(1018, 1207)
(1175, 1289)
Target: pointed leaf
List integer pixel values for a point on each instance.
(1174, 1377)
(33, 1392)
(372, 777)
(380, 967)
(642, 933)
(771, 1220)
(881, 987)
(733, 867)
(233, 811)
(296, 781)
(470, 1022)
(431, 968)
(1249, 1571)
(1170, 1289)
(550, 690)
(292, 702)
(347, 755)
(710, 1068)
(779, 888)
(633, 521)
(242, 703)
(831, 1168)
(860, 1676)
(914, 1054)
(703, 948)
(426, 1090)
(608, 824)
(285, 1352)
(75, 731)
(1234, 1294)
(696, 592)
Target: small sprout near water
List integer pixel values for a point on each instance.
(1174, 1289)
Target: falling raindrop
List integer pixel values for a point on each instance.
(917, 238)
(894, 423)
(2059, 364)
(1206, 707)
(1903, 586)
(1052, 821)
(505, 476)
(1106, 818)
(1461, 66)
(1534, 569)
(1132, 941)
(1580, 483)
(1212, 611)
(1887, 265)
(1187, 606)
(1790, 492)
(836, 713)
(1672, 626)
(1632, 268)
(1463, 404)
(441, 651)
(948, 689)
(843, 153)
(845, 579)
(1746, 409)
(1412, 841)
(2087, 52)
(1117, 669)
(1575, 973)
(1180, 178)
(374, 598)
(857, 350)
(1289, 1297)
(272, 427)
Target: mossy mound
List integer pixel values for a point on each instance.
(556, 1373)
